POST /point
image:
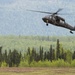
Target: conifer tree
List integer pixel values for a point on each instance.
(20, 55)
(73, 55)
(37, 57)
(58, 50)
(41, 53)
(5, 57)
(33, 54)
(10, 59)
(28, 52)
(0, 54)
(15, 58)
(48, 55)
(62, 53)
(65, 54)
(51, 53)
(45, 56)
(69, 56)
(53, 57)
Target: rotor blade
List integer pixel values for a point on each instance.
(65, 14)
(40, 11)
(58, 10)
(52, 12)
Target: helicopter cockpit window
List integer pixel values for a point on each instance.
(61, 21)
(47, 17)
(50, 17)
(53, 18)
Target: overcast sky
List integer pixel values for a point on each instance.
(16, 20)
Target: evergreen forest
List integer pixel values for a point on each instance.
(53, 57)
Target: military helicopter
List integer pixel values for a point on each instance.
(56, 20)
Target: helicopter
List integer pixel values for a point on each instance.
(55, 19)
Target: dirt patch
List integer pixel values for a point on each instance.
(15, 69)
(35, 69)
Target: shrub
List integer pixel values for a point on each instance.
(4, 64)
(24, 64)
(73, 63)
(59, 63)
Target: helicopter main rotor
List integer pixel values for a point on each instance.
(55, 13)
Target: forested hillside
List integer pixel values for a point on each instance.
(33, 57)
(21, 43)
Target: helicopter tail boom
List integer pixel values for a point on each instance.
(74, 28)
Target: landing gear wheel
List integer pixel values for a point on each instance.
(71, 32)
(47, 24)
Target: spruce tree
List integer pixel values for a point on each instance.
(0, 54)
(48, 55)
(28, 52)
(65, 54)
(69, 56)
(33, 54)
(15, 57)
(58, 50)
(51, 53)
(62, 53)
(41, 53)
(45, 56)
(5, 57)
(73, 56)
(10, 59)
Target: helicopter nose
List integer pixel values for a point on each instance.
(44, 19)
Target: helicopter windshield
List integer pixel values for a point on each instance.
(50, 17)
(47, 17)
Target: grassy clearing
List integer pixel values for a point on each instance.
(37, 71)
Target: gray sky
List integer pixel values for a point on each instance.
(15, 20)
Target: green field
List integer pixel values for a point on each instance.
(37, 71)
(21, 43)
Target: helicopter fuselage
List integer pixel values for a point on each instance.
(57, 21)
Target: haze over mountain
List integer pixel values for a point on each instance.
(16, 20)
